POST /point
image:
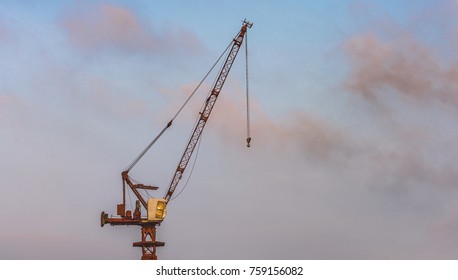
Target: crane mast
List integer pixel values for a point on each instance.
(205, 114)
(156, 207)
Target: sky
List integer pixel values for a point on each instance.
(353, 108)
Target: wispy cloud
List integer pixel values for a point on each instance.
(393, 59)
(6, 100)
(109, 26)
(293, 132)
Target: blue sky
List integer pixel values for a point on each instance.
(354, 112)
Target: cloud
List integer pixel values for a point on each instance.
(295, 131)
(5, 32)
(403, 66)
(405, 81)
(409, 81)
(10, 103)
(108, 26)
(6, 100)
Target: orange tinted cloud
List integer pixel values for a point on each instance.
(7, 100)
(404, 66)
(9, 103)
(291, 132)
(110, 26)
(5, 33)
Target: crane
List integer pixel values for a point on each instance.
(157, 207)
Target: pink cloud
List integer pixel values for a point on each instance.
(4, 33)
(6, 100)
(405, 66)
(291, 132)
(9, 102)
(111, 26)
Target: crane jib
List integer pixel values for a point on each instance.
(205, 114)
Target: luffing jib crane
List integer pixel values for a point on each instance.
(156, 208)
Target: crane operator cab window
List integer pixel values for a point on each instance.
(156, 209)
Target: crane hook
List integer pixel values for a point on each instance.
(248, 140)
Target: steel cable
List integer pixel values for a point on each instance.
(135, 161)
(248, 139)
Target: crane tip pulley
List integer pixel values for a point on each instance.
(247, 23)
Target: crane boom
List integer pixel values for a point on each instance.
(205, 114)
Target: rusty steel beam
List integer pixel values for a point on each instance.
(149, 243)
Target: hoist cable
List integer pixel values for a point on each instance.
(190, 173)
(248, 139)
(200, 139)
(197, 153)
(208, 73)
(135, 161)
